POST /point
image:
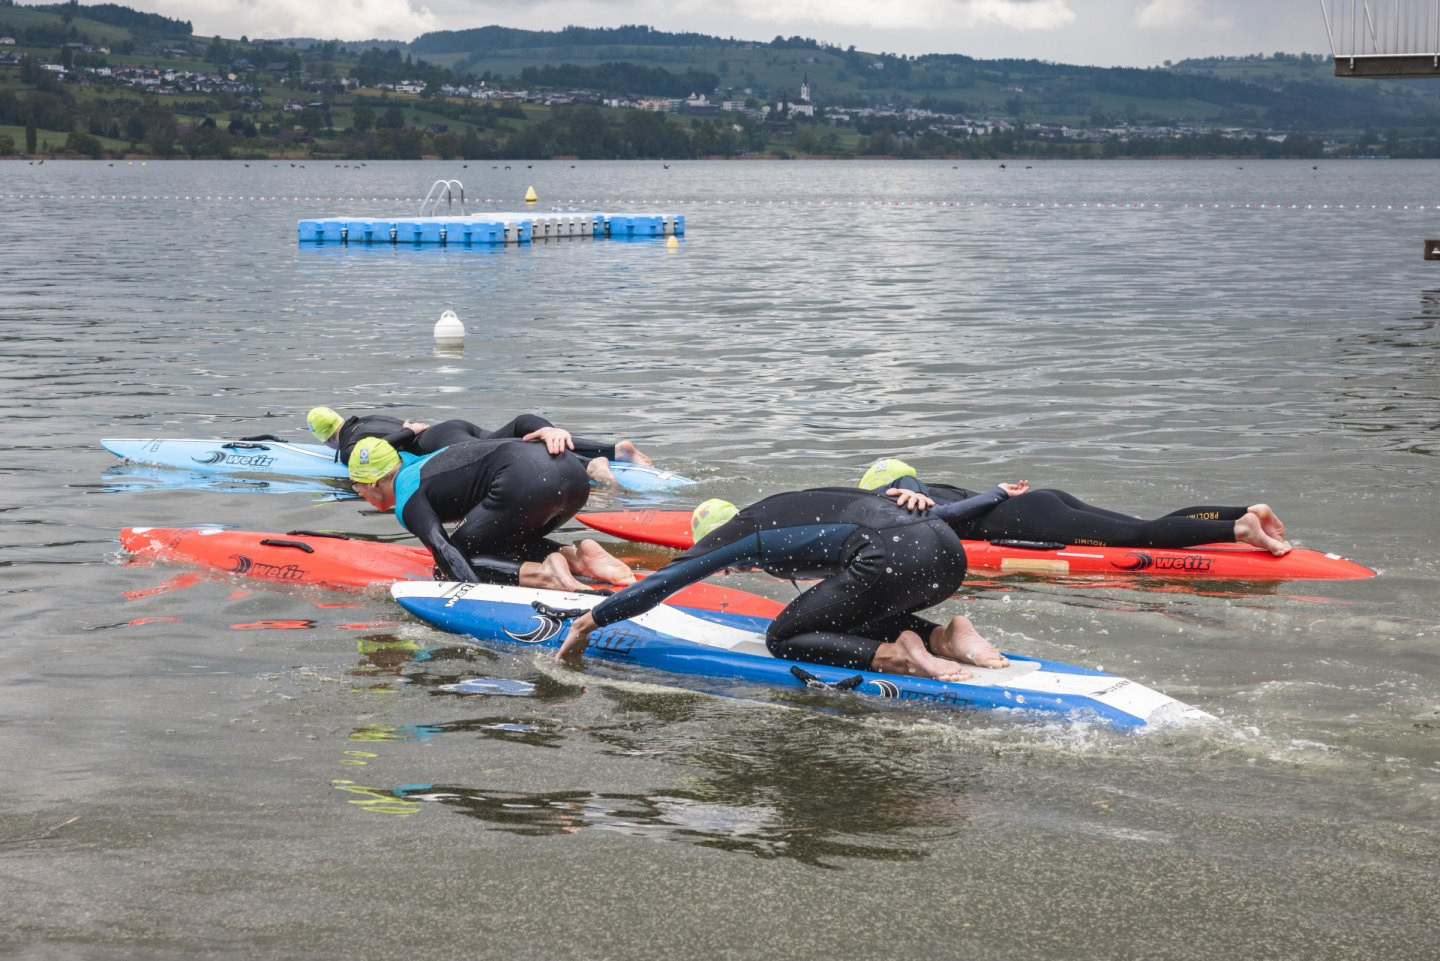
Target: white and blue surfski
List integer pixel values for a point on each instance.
(230, 456)
(711, 644)
(312, 460)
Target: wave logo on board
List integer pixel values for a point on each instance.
(548, 627)
(884, 688)
(246, 567)
(234, 460)
(891, 689)
(1143, 561)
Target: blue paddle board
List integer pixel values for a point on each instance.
(230, 456)
(313, 460)
(684, 640)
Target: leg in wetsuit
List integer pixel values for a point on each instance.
(530, 494)
(890, 574)
(1054, 515)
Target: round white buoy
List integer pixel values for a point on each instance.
(449, 332)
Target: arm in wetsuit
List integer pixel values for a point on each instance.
(420, 518)
(956, 512)
(681, 572)
(527, 424)
(954, 505)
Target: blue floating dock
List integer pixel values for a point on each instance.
(489, 228)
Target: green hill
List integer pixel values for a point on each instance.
(107, 80)
(1285, 92)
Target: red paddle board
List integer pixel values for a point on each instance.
(347, 563)
(1225, 561)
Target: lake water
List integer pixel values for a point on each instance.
(224, 771)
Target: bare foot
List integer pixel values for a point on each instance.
(1250, 530)
(959, 639)
(591, 560)
(552, 574)
(907, 655)
(1269, 523)
(627, 451)
(599, 471)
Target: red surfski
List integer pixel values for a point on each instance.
(346, 563)
(1238, 562)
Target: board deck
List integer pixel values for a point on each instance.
(229, 456)
(1225, 561)
(679, 639)
(268, 458)
(311, 559)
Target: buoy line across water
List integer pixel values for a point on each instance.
(581, 205)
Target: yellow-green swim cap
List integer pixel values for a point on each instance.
(710, 515)
(884, 472)
(371, 460)
(323, 422)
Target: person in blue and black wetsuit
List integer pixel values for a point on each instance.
(884, 556)
(1059, 517)
(419, 438)
(507, 495)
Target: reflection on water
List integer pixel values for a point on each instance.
(796, 792)
(132, 478)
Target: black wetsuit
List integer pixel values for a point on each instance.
(507, 495)
(880, 564)
(444, 434)
(1057, 516)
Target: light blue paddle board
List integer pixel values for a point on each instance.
(313, 460)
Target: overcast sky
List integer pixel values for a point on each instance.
(1098, 32)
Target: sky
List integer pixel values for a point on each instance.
(1107, 33)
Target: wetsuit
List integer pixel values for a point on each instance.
(1054, 515)
(507, 495)
(444, 434)
(880, 562)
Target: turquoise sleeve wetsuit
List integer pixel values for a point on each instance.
(506, 494)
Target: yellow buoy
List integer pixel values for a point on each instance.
(673, 242)
(530, 196)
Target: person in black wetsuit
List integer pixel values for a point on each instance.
(883, 557)
(416, 437)
(1057, 516)
(507, 495)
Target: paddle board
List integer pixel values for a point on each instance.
(314, 559)
(231, 456)
(313, 460)
(680, 639)
(1225, 561)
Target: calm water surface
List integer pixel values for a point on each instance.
(211, 769)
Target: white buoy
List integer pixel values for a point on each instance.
(449, 332)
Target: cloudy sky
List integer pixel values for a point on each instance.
(1099, 32)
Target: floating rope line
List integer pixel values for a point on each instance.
(584, 205)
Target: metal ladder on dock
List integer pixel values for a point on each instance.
(443, 190)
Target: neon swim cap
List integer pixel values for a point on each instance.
(884, 472)
(371, 460)
(710, 515)
(323, 422)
